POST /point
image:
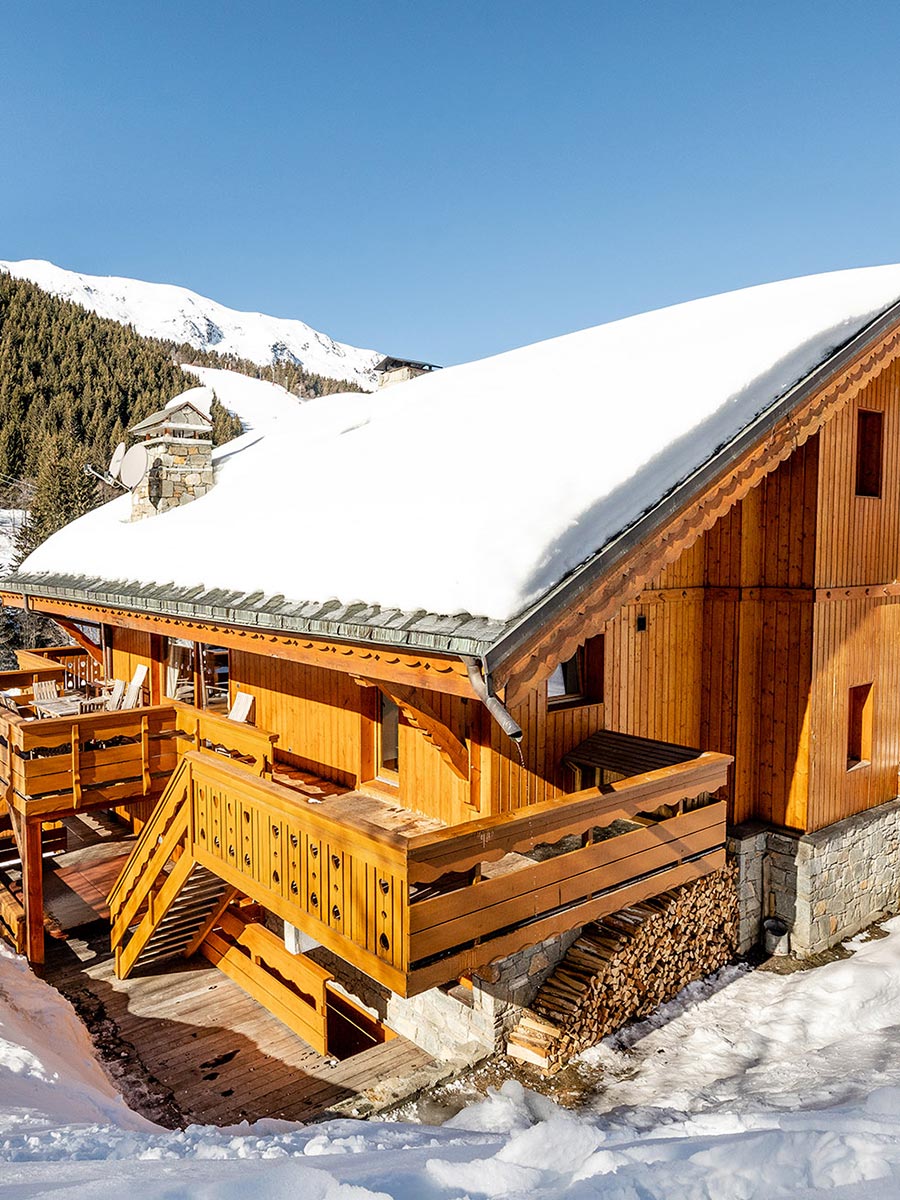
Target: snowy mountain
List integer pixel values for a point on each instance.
(175, 314)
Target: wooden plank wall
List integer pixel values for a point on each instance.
(427, 783)
(857, 638)
(315, 711)
(548, 735)
(856, 642)
(724, 661)
(130, 648)
(860, 535)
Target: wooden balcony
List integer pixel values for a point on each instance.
(415, 910)
(411, 903)
(52, 767)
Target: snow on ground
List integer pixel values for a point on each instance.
(175, 314)
(748, 1085)
(540, 457)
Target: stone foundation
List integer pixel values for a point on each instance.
(824, 886)
(458, 1024)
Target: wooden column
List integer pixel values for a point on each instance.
(28, 840)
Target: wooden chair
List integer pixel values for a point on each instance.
(45, 689)
(240, 709)
(133, 696)
(105, 703)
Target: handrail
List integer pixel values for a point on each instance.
(280, 801)
(234, 736)
(455, 847)
(150, 832)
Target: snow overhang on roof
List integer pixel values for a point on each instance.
(584, 444)
(458, 634)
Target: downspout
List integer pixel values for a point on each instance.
(492, 703)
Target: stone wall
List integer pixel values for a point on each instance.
(824, 886)
(180, 470)
(458, 1025)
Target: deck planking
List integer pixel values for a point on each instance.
(224, 1057)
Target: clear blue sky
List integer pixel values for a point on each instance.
(447, 179)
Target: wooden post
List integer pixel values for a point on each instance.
(33, 891)
(146, 782)
(76, 767)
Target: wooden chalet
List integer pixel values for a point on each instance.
(424, 793)
(398, 370)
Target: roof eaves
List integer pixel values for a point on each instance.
(354, 622)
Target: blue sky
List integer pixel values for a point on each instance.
(450, 179)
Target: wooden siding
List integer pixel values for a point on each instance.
(130, 648)
(859, 539)
(314, 711)
(724, 660)
(856, 642)
(548, 734)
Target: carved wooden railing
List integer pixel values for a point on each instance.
(199, 729)
(58, 765)
(416, 912)
(65, 764)
(79, 668)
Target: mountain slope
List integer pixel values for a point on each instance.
(175, 314)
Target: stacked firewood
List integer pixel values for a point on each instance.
(625, 965)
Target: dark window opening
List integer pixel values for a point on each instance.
(859, 726)
(215, 678)
(869, 451)
(180, 671)
(578, 680)
(389, 740)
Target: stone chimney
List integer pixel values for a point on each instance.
(178, 441)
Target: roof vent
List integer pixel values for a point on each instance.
(178, 441)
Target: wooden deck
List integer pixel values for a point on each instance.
(224, 1058)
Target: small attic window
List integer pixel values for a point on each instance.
(578, 680)
(869, 451)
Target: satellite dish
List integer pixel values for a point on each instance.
(116, 461)
(133, 467)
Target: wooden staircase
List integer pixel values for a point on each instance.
(164, 902)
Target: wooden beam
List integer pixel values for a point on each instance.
(28, 837)
(78, 637)
(422, 716)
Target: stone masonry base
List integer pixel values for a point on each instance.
(459, 1025)
(824, 886)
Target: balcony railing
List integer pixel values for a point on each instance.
(417, 912)
(58, 765)
(79, 668)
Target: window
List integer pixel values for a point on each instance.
(388, 741)
(214, 676)
(180, 671)
(859, 726)
(869, 441)
(578, 680)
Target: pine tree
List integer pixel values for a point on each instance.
(226, 425)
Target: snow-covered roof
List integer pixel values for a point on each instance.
(476, 489)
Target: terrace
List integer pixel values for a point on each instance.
(412, 903)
